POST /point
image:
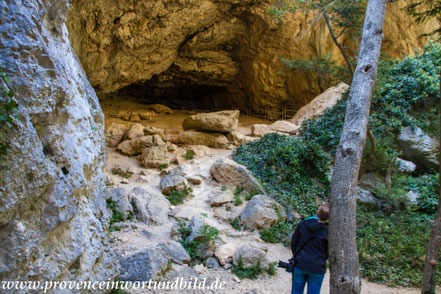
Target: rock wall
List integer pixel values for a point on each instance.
(52, 209)
(210, 53)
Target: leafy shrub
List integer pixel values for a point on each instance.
(326, 130)
(281, 232)
(205, 235)
(234, 222)
(237, 200)
(253, 271)
(189, 155)
(296, 171)
(392, 247)
(427, 186)
(177, 196)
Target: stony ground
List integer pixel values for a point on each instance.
(136, 236)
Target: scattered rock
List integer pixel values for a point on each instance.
(214, 140)
(221, 121)
(178, 253)
(149, 207)
(371, 181)
(161, 109)
(200, 150)
(200, 269)
(283, 126)
(404, 165)
(237, 138)
(224, 253)
(120, 196)
(172, 181)
(212, 263)
(196, 180)
(135, 146)
(171, 147)
(413, 196)
(250, 255)
(365, 196)
(115, 133)
(260, 130)
(220, 197)
(228, 266)
(154, 157)
(146, 115)
(124, 181)
(260, 212)
(135, 131)
(147, 264)
(319, 104)
(231, 174)
(419, 147)
(149, 130)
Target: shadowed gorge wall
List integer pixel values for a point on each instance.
(233, 46)
(52, 207)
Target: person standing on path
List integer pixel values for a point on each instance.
(309, 245)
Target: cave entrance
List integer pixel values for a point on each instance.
(165, 103)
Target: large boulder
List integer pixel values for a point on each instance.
(261, 212)
(404, 165)
(237, 138)
(319, 104)
(172, 182)
(282, 127)
(145, 265)
(372, 181)
(224, 253)
(231, 174)
(221, 121)
(149, 207)
(154, 157)
(214, 140)
(122, 199)
(135, 131)
(135, 146)
(178, 253)
(220, 197)
(419, 147)
(365, 196)
(115, 133)
(250, 255)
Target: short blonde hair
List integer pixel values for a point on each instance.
(323, 212)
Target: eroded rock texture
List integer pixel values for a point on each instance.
(52, 207)
(210, 54)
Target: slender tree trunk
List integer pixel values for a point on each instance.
(370, 159)
(435, 240)
(340, 47)
(343, 260)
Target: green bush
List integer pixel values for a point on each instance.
(294, 170)
(237, 199)
(177, 196)
(392, 247)
(326, 130)
(281, 232)
(253, 271)
(428, 188)
(125, 174)
(205, 235)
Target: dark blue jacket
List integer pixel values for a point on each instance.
(312, 258)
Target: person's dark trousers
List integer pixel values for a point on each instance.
(301, 277)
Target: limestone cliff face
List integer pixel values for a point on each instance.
(225, 53)
(52, 207)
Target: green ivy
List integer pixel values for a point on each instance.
(294, 170)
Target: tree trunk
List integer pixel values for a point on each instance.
(434, 242)
(340, 47)
(370, 159)
(343, 261)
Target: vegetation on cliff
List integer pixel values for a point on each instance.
(392, 236)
